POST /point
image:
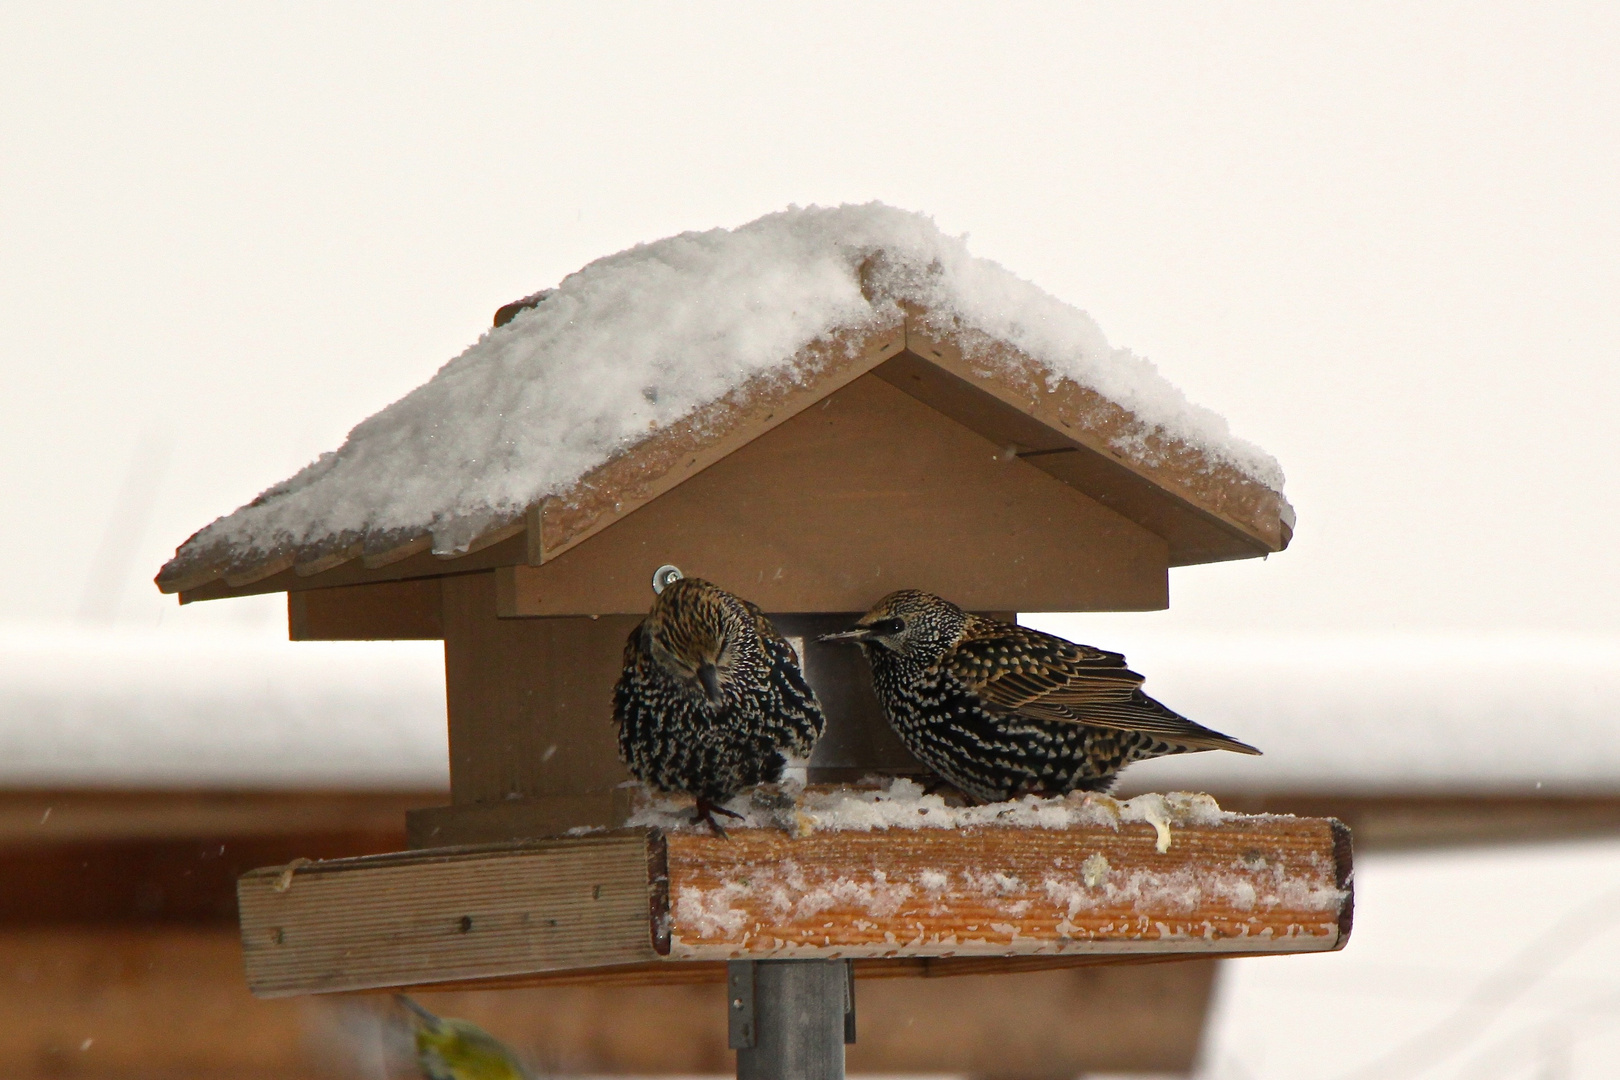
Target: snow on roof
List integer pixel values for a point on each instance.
(637, 341)
(1352, 714)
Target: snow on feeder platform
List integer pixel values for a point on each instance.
(811, 411)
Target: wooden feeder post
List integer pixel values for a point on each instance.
(904, 455)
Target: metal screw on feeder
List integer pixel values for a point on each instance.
(664, 576)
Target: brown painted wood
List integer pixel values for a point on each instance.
(530, 701)
(1250, 510)
(668, 458)
(867, 492)
(1192, 534)
(384, 611)
(1244, 886)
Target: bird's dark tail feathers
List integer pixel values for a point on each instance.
(1154, 718)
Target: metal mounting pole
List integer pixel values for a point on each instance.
(790, 1019)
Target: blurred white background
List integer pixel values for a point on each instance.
(1383, 239)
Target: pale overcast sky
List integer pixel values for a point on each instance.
(1380, 238)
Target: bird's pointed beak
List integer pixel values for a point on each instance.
(854, 633)
(709, 676)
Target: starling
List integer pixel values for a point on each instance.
(712, 699)
(448, 1049)
(1001, 710)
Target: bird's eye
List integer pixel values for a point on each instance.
(885, 627)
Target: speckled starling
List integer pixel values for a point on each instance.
(712, 699)
(1000, 710)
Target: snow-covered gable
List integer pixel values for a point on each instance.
(639, 342)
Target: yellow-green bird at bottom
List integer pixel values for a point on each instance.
(450, 1049)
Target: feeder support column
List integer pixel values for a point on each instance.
(790, 1019)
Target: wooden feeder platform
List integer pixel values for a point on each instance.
(657, 905)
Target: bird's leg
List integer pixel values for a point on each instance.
(705, 813)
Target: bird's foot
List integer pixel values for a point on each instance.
(705, 813)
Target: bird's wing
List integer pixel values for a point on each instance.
(1020, 671)
(1016, 669)
(787, 668)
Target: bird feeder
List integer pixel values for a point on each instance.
(911, 417)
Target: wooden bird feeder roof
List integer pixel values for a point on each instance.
(533, 442)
